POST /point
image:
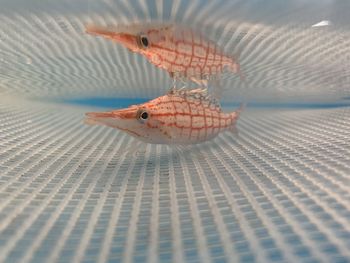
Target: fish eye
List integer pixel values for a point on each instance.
(143, 115)
(144, 41)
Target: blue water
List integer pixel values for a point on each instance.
(125, 102)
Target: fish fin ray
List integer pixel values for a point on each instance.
(200, 82)
(201, 94)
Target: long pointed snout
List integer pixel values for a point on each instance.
(122, 114)
(116, 119)
(95, 118)
(125, 39)
(97, 115)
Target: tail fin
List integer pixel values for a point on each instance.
(235, 115)
(241, 108)
(238, 111)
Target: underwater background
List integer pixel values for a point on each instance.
(279, 192)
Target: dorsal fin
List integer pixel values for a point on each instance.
(199, 95)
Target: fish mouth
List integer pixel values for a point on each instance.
(96, 118)
(125, 39)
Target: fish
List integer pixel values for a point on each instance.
(180, 117)
(183, 52)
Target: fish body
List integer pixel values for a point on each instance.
(184, 53)
(181, 117)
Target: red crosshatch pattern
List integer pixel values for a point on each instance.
(185, 53)
(189, 117)
(180, 117)
(181, 51)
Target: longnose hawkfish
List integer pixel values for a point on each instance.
(181, 117)
(183, 52)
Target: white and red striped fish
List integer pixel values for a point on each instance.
(181, 117)
(184, 53)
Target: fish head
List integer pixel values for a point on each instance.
(139, 121)
(145, 40)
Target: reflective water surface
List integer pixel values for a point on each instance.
(291, 51)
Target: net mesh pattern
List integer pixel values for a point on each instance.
(45, 52)
(278, 192)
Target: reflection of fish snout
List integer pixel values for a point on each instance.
(99, 31)
(127, 40)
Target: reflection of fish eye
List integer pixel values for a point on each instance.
(144, 41)
(143, 116)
